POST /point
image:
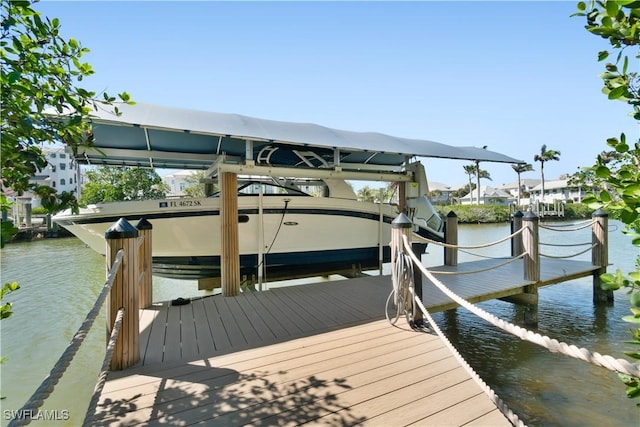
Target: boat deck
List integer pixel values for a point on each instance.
(320, 353)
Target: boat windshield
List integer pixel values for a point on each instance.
(252, 188)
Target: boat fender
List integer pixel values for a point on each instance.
(181, 301)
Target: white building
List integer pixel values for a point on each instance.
(60, 174)
(61, 171)
(558, 190)
(488, 196)
(177, 181)
(440, 193)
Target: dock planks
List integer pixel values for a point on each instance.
(319, 354)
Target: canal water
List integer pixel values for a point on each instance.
(61, 278)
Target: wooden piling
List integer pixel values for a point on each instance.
(516, 241)
(530, 243)
(230, 253)
(451, 238)
(417, 283)
(402, 226)
(530, 246)
(600, 255)
(124, 293)
(145, 263)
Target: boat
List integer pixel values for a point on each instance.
(284, 232)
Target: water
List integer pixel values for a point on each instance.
(61, 278)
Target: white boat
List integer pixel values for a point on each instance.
(293, 233)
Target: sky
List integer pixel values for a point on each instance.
(511, 76)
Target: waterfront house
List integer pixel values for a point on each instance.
(558, 190)
(488, 196)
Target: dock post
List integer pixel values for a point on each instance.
(27, 214)
(417, 283)
(145, 263)
(451, 238)
(516, 241)
(600, 255)
(530, 243)
(402, 226)
(230, 250)
(124, 294)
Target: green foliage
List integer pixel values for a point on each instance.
(7, 229)
(113, 184)
(521, 168)
(619, 169)
(195, 188)
(546, 155)
(577, 211)
(380, 195)
(42, 101)
(473, 214)
(5, 309)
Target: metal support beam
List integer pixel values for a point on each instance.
(338, 172)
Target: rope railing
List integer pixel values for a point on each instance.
(481, 270)
(485, 245)
(558, 227)
(48, 385)
(572, 224)
(553, 345)
(568, 256)
(482, 256)
(500, 404)
(104, 370)
(405, 300)
(565, 245)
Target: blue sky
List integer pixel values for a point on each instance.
(508, 75)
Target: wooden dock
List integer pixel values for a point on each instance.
(320, 353)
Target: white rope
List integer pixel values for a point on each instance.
(555, 228)
(618, 365)
(568, 245)
(482, 256)
(454, 273)
(506, 411)
(102, 377)
(569, 256)
(48, 385)
(402, 280)
(573, 224)
(486, 245)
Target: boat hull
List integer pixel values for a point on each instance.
(294, 236)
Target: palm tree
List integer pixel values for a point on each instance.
(545, 156)
(470, 170)
(479, 173)
(520, 168)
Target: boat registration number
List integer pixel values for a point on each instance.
(180, 203)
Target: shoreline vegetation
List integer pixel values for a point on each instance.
(484, 214)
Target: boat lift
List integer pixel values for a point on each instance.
(226, 145)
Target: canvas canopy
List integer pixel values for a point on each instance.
(164, 137)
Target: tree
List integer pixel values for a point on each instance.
(113, 184)
(42, 101)
(480, 174)
(380, 195)
(521, 168)
(470, 170)
(195, 188)
(618, 23)
(474, 170)
(545, 156)
(40, 73)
